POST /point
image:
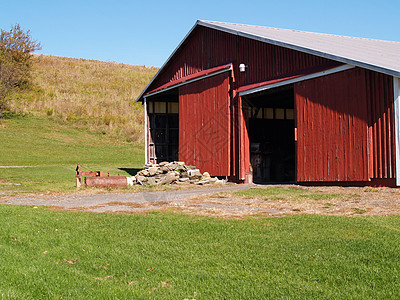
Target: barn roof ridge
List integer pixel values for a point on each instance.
(377, 55)
(296, 30)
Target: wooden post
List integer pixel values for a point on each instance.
(78, 182)
(78, 176)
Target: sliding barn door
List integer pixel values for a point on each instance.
(332, 128)
(204, 124)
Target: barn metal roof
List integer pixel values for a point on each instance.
(377, 55)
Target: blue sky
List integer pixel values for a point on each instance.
(146, 32)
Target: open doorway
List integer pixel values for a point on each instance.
(163, 127)
(271, 134)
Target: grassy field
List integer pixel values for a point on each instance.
(98, 96)
(83, 111)
(50, 254)
(49, 151)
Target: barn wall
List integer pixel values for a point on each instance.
(207, 48)
(381, 127)
(346, 127)
(332, 119)
(204, 124)
(396, 92)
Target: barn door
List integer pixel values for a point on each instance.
(204, 124)
(332, 139)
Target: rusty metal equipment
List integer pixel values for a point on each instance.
(97, 179)
(106, 181)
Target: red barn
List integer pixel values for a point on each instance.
(262, 104)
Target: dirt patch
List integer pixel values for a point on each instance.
(338, 201)
(128, 204)
(226, 202)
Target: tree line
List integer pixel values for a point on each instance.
(16, 48)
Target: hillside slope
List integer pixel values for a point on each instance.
(98, 96)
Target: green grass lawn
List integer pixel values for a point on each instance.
(47, 254)
(53, 254)
(51, 151)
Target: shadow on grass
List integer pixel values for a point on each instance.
(130, 171)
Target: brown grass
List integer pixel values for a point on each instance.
(127, 204)
(99, 96)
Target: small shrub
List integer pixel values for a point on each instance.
(6, 114)
(49, 111)
(16, 47)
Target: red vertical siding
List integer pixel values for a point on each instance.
(381, 125)
(204, 125)
(332, 128)
(207, 48)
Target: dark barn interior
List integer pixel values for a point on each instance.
(271, 133)
(163, 112)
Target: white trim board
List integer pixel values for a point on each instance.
(187, 82)
(146, 131)
(396, 90)
(297, 79)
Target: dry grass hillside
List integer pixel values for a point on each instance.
(99, 96)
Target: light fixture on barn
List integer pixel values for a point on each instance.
(242, 68)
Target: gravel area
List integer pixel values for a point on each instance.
(221, 201)
(117, 202)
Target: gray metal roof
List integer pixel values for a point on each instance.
(377, 55)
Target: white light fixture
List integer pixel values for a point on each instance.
(242, 67)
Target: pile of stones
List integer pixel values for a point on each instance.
(172, 173)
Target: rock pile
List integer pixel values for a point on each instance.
(171, 172)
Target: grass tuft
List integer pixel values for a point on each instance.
(360, 211)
